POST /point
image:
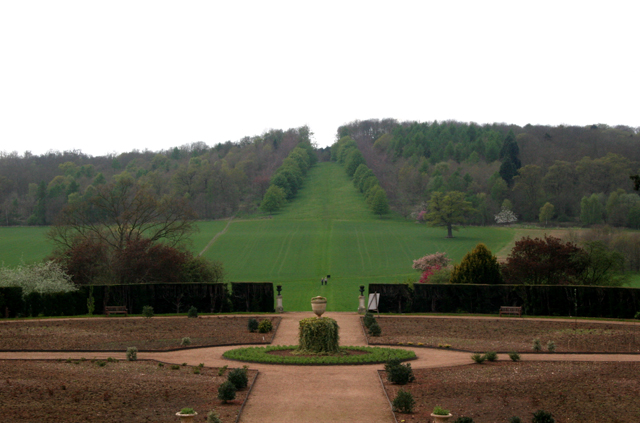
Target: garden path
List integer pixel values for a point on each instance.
(316, 393)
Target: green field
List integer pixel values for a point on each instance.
(328, 230)
(24, 244)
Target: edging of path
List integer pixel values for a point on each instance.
(246, 398)
(503, 352)
(386, 396)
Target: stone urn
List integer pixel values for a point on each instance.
(186, 418)
(441, 418)
(319, 305)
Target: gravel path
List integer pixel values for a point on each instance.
(317, 393)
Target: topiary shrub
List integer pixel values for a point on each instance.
(514, 356)
(193, 312)
(318, 335)
(265, 326)
(185, 341)
(239, 378)
(252, 325)
(374, 329)
(537, 346)
(398, 373)
(227, 392)
(463, 419)
(491, 355)
(478, 358)
(132, 354)
(368, 319)
(403, 402)
(551, 346)
(542, 416)
(147, 311)
(213, 417)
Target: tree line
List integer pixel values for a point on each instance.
(548, 173)
(216, 181)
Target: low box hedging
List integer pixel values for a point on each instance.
(261, 355)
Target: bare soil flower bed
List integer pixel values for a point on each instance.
(83, 391)
(118, 333)
(572, 391)
(505, 335)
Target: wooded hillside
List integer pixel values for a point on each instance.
(217, 181)
(583, 172)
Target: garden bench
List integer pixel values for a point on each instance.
(115, 310)
(511, 311)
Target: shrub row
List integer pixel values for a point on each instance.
(536, 300)
(163, 298)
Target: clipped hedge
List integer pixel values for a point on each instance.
(11, 303)
(536, 300)
(252, 296)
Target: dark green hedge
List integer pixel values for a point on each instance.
(536, 300)
(11, 303)
(252, 296)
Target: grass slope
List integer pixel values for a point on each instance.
(328, 230)
(23, 244)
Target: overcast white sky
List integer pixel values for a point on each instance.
(111, 76)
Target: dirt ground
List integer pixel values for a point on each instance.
(119, 333)
(580, 392)
(75, 391)
(508, 334)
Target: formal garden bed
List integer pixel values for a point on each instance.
(111, 391)
(495, 392)
(505, 334)
(118, 333)
(288, 354)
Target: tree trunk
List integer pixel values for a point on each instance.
(449, 231)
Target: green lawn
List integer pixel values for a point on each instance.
(328, 230)
(23, 244)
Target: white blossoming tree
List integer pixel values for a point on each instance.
(43, 277)
(505, 216)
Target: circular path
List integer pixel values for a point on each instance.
(316, 394)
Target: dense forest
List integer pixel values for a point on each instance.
(579, 174)
(217, 181)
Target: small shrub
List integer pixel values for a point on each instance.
(196, 370)
(227, 392)
(252, 325)
(213, 417)
(491, 355)
(187, 410)
(463, 419)
(239, 378)
(537, 346)
(398, 373)
(374, 329)
(147, 311)
(404, 402)
(111, 360)
(184, 364)
(101, 363)
(265, 326)
(478, 358)
(132, 354)
(175, 367)
(514, 356)
(201, 365)
(160, 364)
(368, 319)
(439, 411)
(193, 312)
(637, 316)
(551, 346)
(185, 341)
(223, 369)
(515, 419)
(542, 416)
